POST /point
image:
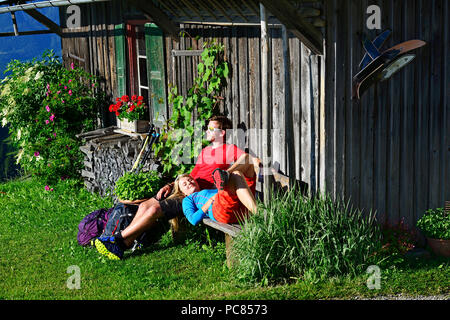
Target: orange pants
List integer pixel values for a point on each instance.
(227, 207)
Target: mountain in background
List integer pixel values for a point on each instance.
(23, 48)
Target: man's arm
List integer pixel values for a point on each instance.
(164, 191)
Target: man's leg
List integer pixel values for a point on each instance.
(246, 164)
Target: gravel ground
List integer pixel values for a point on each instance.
(403, 297)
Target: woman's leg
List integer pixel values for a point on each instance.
(146, 220)
(143, 207)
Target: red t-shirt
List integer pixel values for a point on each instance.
(210, 159)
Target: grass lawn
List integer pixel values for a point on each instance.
(38, 246)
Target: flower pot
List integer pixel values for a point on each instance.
(138, 126)
(440, 247)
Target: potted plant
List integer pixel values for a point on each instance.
(435, 224)
(134, 188)
(130, 113)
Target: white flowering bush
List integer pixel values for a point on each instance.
(45, 105)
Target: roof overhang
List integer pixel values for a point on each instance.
(301, 18)
(30, 8)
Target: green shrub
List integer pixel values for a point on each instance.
(45, 105)
(143, 185)
(297, 237)
(435, 224)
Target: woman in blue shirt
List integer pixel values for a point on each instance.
(200, 204)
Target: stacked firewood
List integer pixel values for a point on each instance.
(108, 154)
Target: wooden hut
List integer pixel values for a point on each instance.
(388, 151)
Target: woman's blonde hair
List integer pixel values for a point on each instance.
(177, 193)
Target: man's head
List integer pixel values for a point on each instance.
(217, 128)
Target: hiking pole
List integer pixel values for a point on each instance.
(149, 136)
(153, 140)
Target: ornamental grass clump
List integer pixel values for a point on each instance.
(295, 237)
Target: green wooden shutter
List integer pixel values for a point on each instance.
(121, 66)
(154, 44)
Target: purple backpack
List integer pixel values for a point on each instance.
(92, 225)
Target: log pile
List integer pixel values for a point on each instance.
(108, 154)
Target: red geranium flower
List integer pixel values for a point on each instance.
(124, 108)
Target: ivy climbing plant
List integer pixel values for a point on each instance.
(183, 138)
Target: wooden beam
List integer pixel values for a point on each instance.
(185, 53)
(265, 107)
(45, 21)
(25, 33)
(158, 16)
(192, 8)
(288, 113)
(13, 17)
(302, 29)
(221, 9)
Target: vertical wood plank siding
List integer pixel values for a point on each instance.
(243, 94)
(242, 101)
(390, 151)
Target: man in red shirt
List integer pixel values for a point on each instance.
(217, 155)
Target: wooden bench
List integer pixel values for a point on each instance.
(281, 182)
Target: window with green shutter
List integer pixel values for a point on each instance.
(120, 51)
(143, 66)
(154, 43)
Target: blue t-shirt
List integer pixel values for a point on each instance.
(192, 206)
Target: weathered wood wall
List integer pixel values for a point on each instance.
(94, 43)
(242, 101)
(389, 152)
(91, 46)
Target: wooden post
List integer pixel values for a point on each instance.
(265, 107)
(288, 121)
(13, 17)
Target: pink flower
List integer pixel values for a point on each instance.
(58, 92)
(70, 80)
(54, 134)
(47, 188)
(36, 154)
(62, 101)
(47, 108)
(70, 92)
(71, 66)
(46, 121)
(52, 117)
(48, 86)
(65, 87)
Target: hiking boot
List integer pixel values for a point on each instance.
(109, 247)
(220, 178)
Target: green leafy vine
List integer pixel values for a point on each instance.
(183, 140)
